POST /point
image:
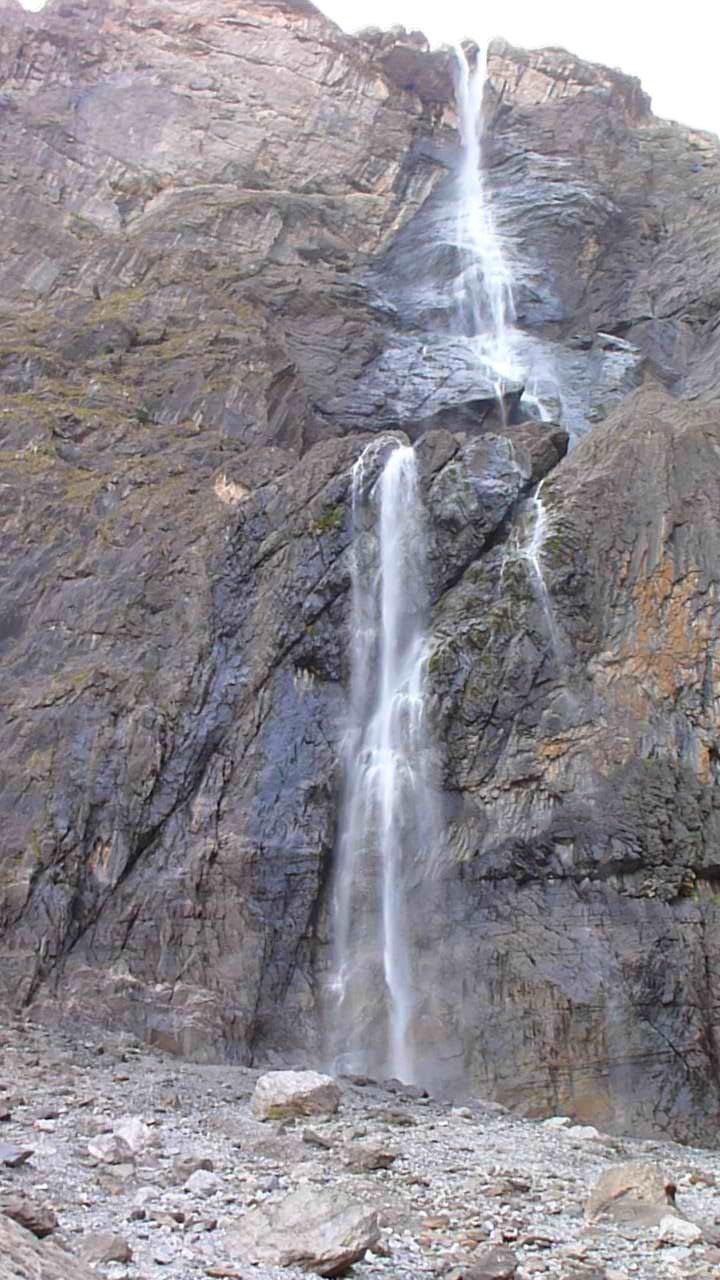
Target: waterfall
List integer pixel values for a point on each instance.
(388, 815)
(532, 553)
(484, 288)
(484, 303)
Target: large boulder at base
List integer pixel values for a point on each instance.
(281, 1094)
(23, 1257)
(320, 1231)
(637, 1193)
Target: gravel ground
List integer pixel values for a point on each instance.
(465, 1177)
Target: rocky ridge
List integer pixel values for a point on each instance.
(225, 266)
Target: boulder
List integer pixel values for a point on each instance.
(134, 1133)
(34, 1215)
(100, 1247)
(24, 1257)
(129, 1138)
(636, 1193)
(282, 1094)
(320, 1231)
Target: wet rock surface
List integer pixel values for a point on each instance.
(225, 268)
(474, 1191)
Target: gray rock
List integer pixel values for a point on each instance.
(109, 1148)
(134, 1133)
(314, 1139)
(187, 1163)
(673, 1230)
(164, 1255)
(282, 1094)
(13, 1156)
(320, 1231)
(203, 1183)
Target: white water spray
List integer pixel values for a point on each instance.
(388, 818)
(531, 551)
(484, 288)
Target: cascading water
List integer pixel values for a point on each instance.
(531, 551)
(484, 303)
(391, 969)
(485, 299)
(483, 290)
(388, 816)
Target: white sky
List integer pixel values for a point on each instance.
(672, 45)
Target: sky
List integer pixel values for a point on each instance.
(672, 47)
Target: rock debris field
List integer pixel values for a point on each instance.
(120, 1162)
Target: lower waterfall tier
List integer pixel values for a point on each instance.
(575, 943)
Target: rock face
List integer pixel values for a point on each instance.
(219, 278)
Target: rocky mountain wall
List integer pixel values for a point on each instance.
(226, 264)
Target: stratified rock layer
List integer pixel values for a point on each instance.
(223, 268)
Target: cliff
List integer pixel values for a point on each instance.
(222, 271)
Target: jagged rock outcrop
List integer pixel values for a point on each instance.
(223, 269)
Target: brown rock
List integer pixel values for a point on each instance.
(24, 1257)
(495, 1263)
(314, 1139)
(101, 1247)
(32, 1214)
(366, 1157)
(637, 1193)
